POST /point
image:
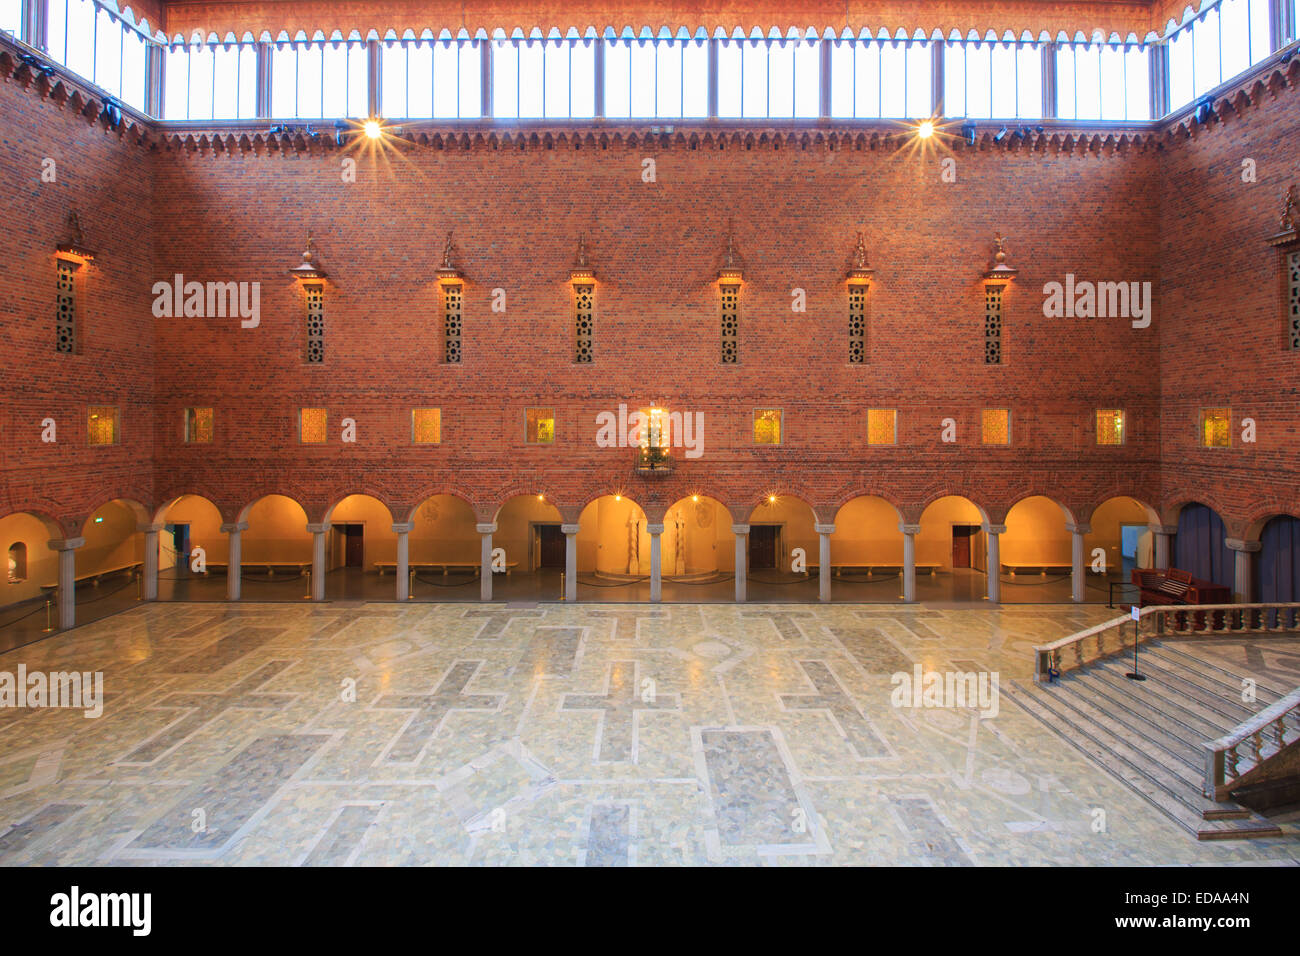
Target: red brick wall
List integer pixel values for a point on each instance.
(1173, 215)
(1221, 326)
(656, 248)
(107, 180)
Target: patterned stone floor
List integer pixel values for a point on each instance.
(575, 735)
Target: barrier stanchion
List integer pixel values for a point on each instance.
(561, 585)
(307, 596)
(410, 585)
(49, 627)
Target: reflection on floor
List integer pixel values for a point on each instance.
(600, 735)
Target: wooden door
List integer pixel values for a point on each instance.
(762, 546)
(354, 549)
(961, 538)
(550, 546)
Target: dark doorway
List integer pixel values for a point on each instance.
(354, 546)
(181, 541)
(550, 546)
(762, 546)
(961, 539)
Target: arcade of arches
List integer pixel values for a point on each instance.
(700, 549)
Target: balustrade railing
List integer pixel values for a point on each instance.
(1230, 759)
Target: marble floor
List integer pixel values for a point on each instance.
(518, 734)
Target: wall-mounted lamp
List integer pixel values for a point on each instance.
(309, 268)
(448, 274)
(582, 273)
(968, 133)
(72, 247)
(1001, 273)
(860, 272)
(1286, 234)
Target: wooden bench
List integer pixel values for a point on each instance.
(871, 569)
(1042, 569)
(94, 576)
(384, 567)
(271, 566)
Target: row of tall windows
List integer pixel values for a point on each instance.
(658, 75)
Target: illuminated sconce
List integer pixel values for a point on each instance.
(72, 248)
(860, 273)
(729, 280)
(583, 279)
(1286, 234)
(309, 269)
(654, 457)
(453, 300)
(582, 273)
(1001, 273)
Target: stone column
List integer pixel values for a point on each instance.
(67, 596)
(233, 572)
(570, 562)
(910, 532)
(485, 559)
(1162, 534)
(656, 563)
(1078, 578)
(149, 587)
(403, 531)
(318, 559)
(824, 532)
(993, 573)
(741, 531)
(1242, 586)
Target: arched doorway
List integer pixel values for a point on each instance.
(614, 551)
(276, 550)
(1277, 577)
(27, 591)
(1120, 541)
(1035, 553)
(867, 552)
(191, 550)
(699, 551)
(951, 551)
(782, 551)
(359, 545)
(444, 550)
(529, 533)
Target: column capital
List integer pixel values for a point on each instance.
(489, 528)
(824, 528)
(66, 544)
(994, 528)
(1166, 529)
(235, 528)
(906, 528)
(148, 528)
(655, 528)
(740, 529)
(1078, 528)
(317, 527)
(403, 527)
(1237, 544)
(569, 528)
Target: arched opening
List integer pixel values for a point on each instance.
(867, 552)
(1277, 571)
(532, 546)
(359, 545)
(1120, 540)
(782, 551)
(614, 551)
(32, 578)
(951, 551)
(699, 551)
(276, 550)
(1200, 547)
(1035, 553)
(443, 550)
(193, 552)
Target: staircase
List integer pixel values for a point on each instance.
(1150, 734)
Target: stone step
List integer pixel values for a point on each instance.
(1198, 717)
(1230, 680)
(1221, 698)
(1147, 722)
(1188, 809)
